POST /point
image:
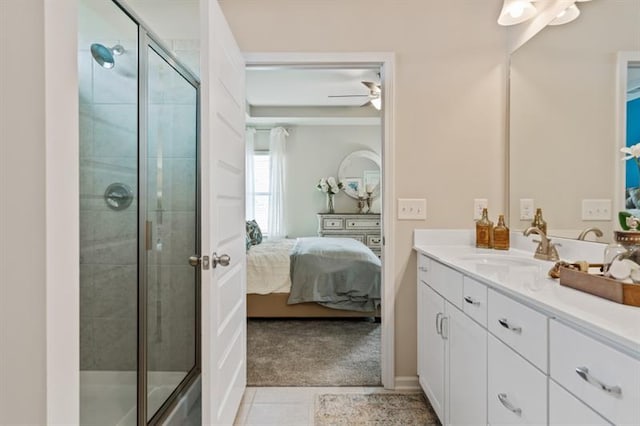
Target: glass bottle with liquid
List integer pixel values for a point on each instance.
(501, 235)
(484, 231)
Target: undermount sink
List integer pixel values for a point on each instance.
(498, 260)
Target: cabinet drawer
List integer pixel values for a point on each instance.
(363, 223)
(581, 363)
(446, 281)
(332, 223)
(374, 240)
(565, 409)
(424, 266)
(520, 327)
(474, 296)
(517, 391)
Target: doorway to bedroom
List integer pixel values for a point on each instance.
(314, 225)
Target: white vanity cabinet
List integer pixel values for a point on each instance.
(452, 348)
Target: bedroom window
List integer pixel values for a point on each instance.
(261, 183)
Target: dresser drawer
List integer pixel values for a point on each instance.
(354, 236)
(520, 327)
(333, 223)
(517, 391)
(474, 296)
(602, 377)
(565, 409)
(363, 223)
(374, 240)
(446, 281)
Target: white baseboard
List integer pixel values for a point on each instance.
(407, 383)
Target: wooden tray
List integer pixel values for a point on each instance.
(601, 286)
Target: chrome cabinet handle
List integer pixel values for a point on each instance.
(583, 372)
(502, 397)
(439, 323)
(422, 268)
(503, 322)
(444, 327)
(471, 301)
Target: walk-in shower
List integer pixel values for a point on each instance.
(139, 205)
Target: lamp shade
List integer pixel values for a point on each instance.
(567, 15)
(516, 11)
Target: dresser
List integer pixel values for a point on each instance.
(363, 227)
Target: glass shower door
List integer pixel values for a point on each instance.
(171, 229)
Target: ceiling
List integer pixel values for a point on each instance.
(299, 95)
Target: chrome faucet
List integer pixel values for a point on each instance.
(546, 250)
(598, 233)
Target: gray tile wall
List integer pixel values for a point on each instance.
(108, 238)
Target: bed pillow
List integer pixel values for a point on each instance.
(253, 232)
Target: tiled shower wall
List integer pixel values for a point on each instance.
(108, 238)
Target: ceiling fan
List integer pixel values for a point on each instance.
(373, 98)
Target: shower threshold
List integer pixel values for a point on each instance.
(109, 397)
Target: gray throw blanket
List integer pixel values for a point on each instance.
(339, 273)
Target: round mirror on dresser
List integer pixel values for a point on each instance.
(359, 172)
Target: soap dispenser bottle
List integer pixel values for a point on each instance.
(501, 235)
(539, 222)
(484, 228)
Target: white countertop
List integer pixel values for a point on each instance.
(528, 282)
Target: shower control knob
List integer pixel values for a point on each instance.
(222, 260)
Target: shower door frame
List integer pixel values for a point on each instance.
(148, 40)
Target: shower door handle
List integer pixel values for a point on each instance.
(222, 260)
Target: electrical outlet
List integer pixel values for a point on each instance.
(596, 209)
(478, 205)
(526, 208)
(412, 208)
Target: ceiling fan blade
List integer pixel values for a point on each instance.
(348, 96)
(371, 86)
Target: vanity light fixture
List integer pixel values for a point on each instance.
(516, 11)
(566, 16)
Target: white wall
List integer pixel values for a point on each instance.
(450, 104)
(38, 222)
(313, 152)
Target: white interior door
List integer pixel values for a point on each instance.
(223, 228)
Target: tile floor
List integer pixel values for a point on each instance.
(286, 405)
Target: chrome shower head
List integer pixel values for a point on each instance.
(104, 55)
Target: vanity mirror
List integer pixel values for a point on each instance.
(564, 131)
(359, 172)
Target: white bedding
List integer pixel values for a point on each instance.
(268, 267)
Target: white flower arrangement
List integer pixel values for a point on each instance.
(329, 185)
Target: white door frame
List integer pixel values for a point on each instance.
(386, 61)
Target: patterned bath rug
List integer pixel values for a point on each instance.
(373, 409)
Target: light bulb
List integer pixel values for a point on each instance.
(517, 9)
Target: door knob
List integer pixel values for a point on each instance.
(222, 260)
(196, 260)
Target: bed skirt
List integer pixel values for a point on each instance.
(275, 305)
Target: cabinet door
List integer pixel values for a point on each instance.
(433, 348)
(467, 394)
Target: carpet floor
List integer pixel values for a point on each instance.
(373, 409)
(313, 353)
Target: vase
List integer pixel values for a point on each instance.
(330, 206)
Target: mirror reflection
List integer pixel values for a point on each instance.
(563, 147)
(359, 172)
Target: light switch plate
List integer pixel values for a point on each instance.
(478, 205)
(412, 209)
(596, 209)
(526, 208)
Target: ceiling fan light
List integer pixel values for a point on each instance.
(566, 16)
(516, 11)
(377, 103)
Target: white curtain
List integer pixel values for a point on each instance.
(277, 141)
(250, 209)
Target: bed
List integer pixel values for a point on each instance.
(313, 277)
